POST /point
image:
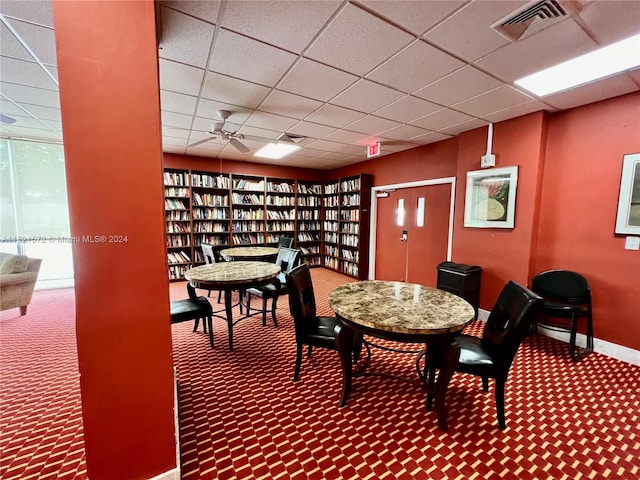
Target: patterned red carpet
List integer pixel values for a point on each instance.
(242, 417)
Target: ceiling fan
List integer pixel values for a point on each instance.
(218, 131)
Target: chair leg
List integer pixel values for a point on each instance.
(195, 325)
(309, 349)
(219, 295)
(23, 309)
(296, 372)
(274, 302)
(485, 384)
(209, 322)
(264, 311)
(500, 404)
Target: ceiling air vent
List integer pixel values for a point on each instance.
(533, 18)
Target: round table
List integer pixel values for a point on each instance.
(403, 312)
(250, 253)
(230, 276)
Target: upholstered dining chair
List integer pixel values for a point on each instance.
(492, 355)
(287, 259)
(311, 330)
(286, 242)
(211, 254)
(567, 295)
(194, 308)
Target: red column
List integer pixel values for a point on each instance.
(109, 95)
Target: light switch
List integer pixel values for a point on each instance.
(632, 243)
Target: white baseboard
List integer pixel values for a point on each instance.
(169, 475)
(609, 349)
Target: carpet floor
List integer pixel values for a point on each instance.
(242, 417)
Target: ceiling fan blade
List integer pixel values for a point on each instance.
(239, 146)
(195, 144)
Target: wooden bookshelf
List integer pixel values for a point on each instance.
(346, 225)
(177, 209)
(247, 210)
(309, 221)
(280, 209)
(210, 210)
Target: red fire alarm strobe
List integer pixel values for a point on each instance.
(373, 150)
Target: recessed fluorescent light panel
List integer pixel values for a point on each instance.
(606, 61)
(276, 150)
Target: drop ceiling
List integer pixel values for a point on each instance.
(341, 74)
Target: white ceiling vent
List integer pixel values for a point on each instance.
(533, 18)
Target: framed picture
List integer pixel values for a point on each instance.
(490, 200)
(628, 218)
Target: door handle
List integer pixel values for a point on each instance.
(404, 236)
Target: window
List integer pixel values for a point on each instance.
(34, 213)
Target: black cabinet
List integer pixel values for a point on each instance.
(462, 280)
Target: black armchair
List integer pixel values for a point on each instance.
(287, 259)
(491, 356)
(286, 242)
(194, 308)
(566, 296)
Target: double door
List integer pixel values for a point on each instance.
(412, 232)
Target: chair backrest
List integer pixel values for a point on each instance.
(191, 291)
(285, 242)
(509, 322)
(287, 258)
(563, 285)
(208, 253)
(302, 301)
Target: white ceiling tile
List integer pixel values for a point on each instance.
(310, 152)
(180, 78)
(175, 133)
(233, 91)
(174, 142)
(30, 96)
(517, 111)
(208, 109)
(314, 80)
(36, 133)
(612, 20)
(356, 41)
(464, 126)
(336, 156)
(538, 51)
(392, 147)
(467, 33)
(404, 132)
(416, 16)
(175, 45)
(334, 116)
(372, 125)
(41, 40)
(27, 73)
(311, 130)
(43, 113)
(289, 104)
(325, 145)
(431, 137)
(54, 125)
(173, 149)
(345, 136)
(407, 109)
(366, 96)
(464, 83)
(272, 21)
(441, 119)
(207, 11)
(593, 92)
(415, 67)
(249, 59)
(206, 125)
(176, 120)
(9, 108)
(11, 47)
(260, 132)
(271, 121)
(34, 11)
(178, 102)
(492, 101)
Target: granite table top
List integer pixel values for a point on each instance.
(248, 253)
(231, 274)
(399, 307)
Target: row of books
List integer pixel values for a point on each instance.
(351, 200)
(280, 201)
(177, 227)
(209, 181)
(350, 228)
(176, 178)
(210, 200)
(174, 204)
(280, 226)
(173, 215)
(310, 189)
(176, 192)
(210, 213)
(253, 185)
(308, 226)
(308, 215)
(178, 240)
(247, 214)
(308, 201)
(308, 237)
(280, 215)
(178, 257)
(282, 187)
(210, 227)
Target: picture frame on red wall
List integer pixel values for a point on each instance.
(490, 200)
(628, 216)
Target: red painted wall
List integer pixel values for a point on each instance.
(109, 95)
(504, 254)
(578, 211)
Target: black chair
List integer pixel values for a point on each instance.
(311, 330)
(287, 259)
(566, 296)
(211, 254)
(286, 242)
(194, 308)
(491, 356)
